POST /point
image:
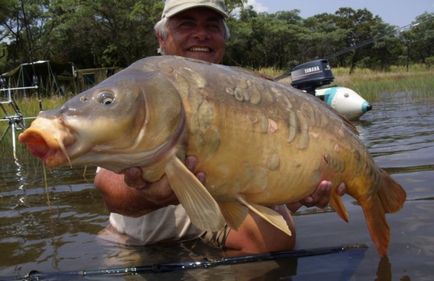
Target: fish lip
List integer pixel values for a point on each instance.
(38, 146)
(51, 150)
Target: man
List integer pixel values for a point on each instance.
(149, 212)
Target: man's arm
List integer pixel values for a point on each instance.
(129, 194)
(123, 199)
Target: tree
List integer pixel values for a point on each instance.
(323, 37)
(103, 33)
(20, 25)
(262, 39)
(360, 30)
(385, 49)
(94, 33)
(419, 38)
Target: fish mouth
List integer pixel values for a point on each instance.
(49, 143)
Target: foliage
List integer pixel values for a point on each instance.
(261, 39)
(353, 38)
(420, 38)
(3, 55)
(102, 33)
(115, 33)
(430, 62)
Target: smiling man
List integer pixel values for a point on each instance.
(194, 29)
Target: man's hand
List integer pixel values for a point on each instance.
(160, 191)
(319, 198)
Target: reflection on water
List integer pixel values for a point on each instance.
(384, 271)
(400, 135)
(400, 128)
(55, 228)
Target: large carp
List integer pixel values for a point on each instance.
(259, 142)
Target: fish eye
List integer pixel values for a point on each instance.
(346, 95)
(106, 98)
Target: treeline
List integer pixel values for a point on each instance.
(96, 33)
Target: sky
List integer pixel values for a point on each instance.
(395, 12)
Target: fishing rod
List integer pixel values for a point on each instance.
(185, 265)
(370, 41)
(354, 47)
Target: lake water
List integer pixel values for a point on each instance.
(54, 229)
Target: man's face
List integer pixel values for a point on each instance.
(195, 33)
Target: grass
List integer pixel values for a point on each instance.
(29, 107)
(369, 83)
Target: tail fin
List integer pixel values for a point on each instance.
(389, 198)
(376, 221)
(391, 194)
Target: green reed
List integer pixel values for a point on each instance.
(370, 83)
(29, 108)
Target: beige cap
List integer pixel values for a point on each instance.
(173, 7)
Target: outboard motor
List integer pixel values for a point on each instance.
(311, 75)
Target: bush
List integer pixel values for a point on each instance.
(429, 61)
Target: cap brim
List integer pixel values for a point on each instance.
(181, 8)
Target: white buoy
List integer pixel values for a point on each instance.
(344, 100)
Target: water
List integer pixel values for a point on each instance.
(55, 228)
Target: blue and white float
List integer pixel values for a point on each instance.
(344, 100)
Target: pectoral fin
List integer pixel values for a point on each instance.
(200, 206)
(269, 215)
